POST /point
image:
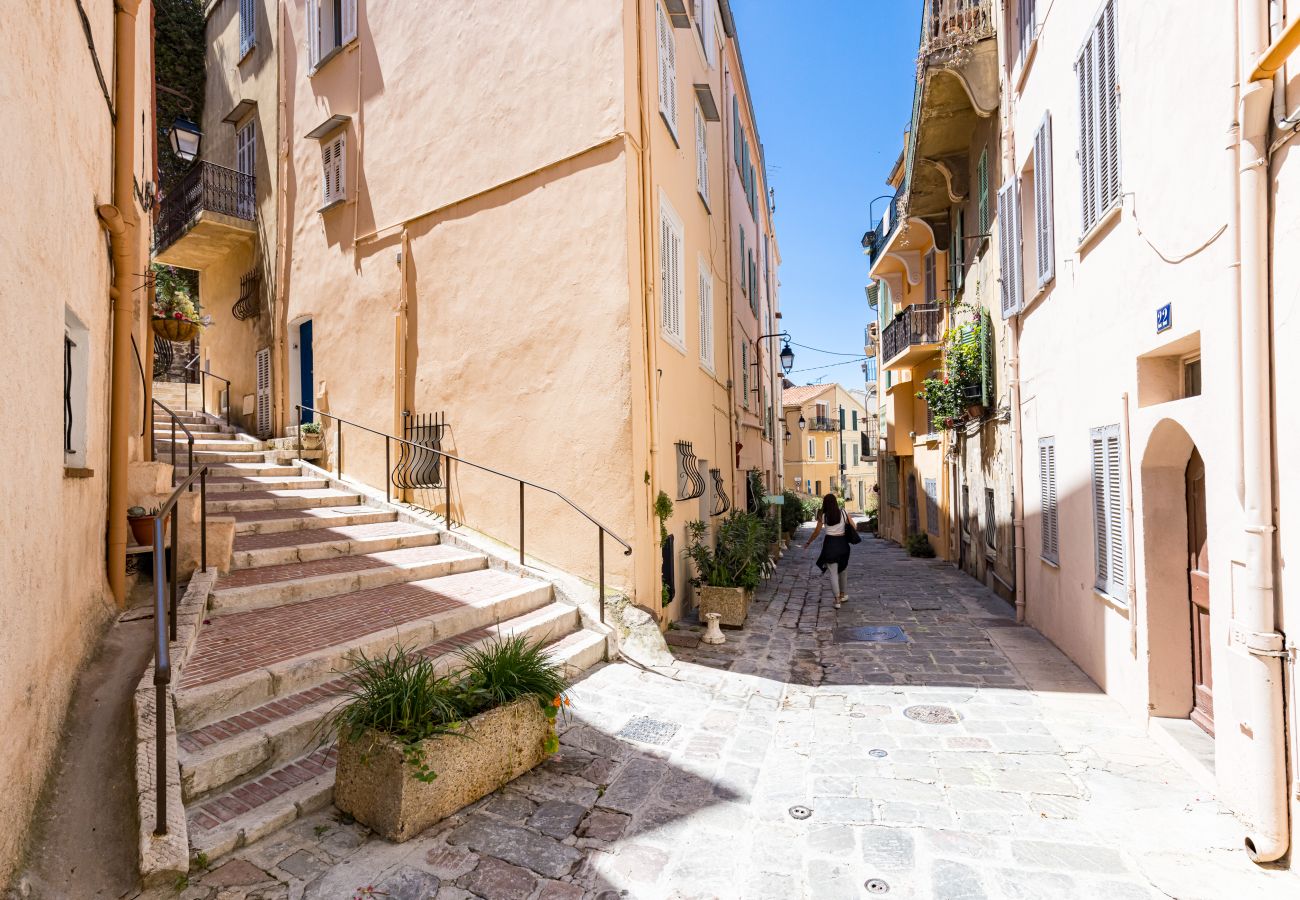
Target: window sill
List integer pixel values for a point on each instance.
(1113, 602)
(1026, 63)
(77, 472)
(1099, 230)
(671, 341)
(333, 203)
(246, 53)
(672, 132)
(335, 51)
(705, 201)
(1050, 562)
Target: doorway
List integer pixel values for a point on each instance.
(1198, 595)
(913, 511)
(302, 383)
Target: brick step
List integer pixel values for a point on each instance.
(247, 501)
(261, 469)
(275, 521)
(266, 803)
(243, 660)
(287, 547)
(277, 585)
(248, 744)
(236, 484)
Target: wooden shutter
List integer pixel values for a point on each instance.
(1026, 17)
(264, 393)
(334, 169)
(327, 170)
(855, 420)
(1085, 75)
(736, 136)
(1107, 108)
(348, 10)
(957, 251)
(744, 269)
(1044, 224)
(313, 33)
(982, 184)
(744, 372)
(670, 264)
(932, 506)
(1009, 258)
(1047, 490)
(247, 25)
(986, 358)
(753, 285)
(667, 72)
(701, 156)
(931, 278)
(1108, 512)
(706, 315)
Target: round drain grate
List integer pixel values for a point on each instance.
(878, 754)
(932, 715)
(877, 886)
(800, 812)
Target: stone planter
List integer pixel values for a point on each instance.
(732, 604)
(311, 441)
(377, 786)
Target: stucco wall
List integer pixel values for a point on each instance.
(55, 598)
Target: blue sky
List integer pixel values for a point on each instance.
(831, 82)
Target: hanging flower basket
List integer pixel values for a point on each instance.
(178, 331)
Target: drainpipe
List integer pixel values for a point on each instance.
(401, 325)
(123, 224)
(1257, 660)
(1017, 466)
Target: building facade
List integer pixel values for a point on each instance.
(828, 451)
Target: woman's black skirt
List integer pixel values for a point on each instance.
(835, 549)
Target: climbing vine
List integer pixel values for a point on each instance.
(178, 64)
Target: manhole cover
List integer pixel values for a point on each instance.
(932, 715)
(646, 730)
(800, 812)
(878, 754)
(874, 634)
(877, 886)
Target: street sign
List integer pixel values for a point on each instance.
(775, 499)
(1165, 318)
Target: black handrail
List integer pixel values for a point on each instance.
(203, 394)
(164, 576)
(189, 438)
(338, 472)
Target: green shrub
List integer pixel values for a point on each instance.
(507, 669)
(919, 545)
(793, 513)
(398, 694)
(738, 558)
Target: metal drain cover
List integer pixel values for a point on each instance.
(800, 812)
(877, 886)
(932, 715)
(646, 730)
(878, 754)
(872, 634)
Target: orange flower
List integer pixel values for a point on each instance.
(566, 702)
(555, 702)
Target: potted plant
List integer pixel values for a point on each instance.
(415, 746)
(141, 521)
(175, 315)
(310, 435)
(727, 573)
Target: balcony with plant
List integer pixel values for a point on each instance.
(964, 389)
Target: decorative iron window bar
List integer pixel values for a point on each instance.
(68, 346)
(721, 502)
(419, 455)
(921, 323)
(249, 303)
(204, 188)
(690, 483)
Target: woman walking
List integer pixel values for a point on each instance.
(834, 558)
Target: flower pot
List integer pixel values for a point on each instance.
(178, 331)
(311, 441)
(377, 785)
(142, 529)
(731, 603)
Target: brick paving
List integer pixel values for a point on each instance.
(247, 797)
(272, 540)
(306, 515)
(337, 565)
(798, 761)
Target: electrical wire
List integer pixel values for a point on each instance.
(849, 362)
(819, 350)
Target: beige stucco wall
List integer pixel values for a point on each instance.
(55, 598)
(802, 471)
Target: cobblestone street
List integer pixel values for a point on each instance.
(803, 759)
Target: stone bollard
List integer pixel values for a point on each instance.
(714, 633)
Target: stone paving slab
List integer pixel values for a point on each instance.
(1041, 788)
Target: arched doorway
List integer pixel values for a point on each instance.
(1198, 594)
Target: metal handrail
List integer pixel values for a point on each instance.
(203, 395)
(164, 576)
(189, 437)
(388, 438)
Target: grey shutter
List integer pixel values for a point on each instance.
(349, 13)
(1047, 487)
(1044, 224)
(1108, 108)
(1084, 71)
(1108, 512)
(701, 156)
(264, 393)
(744, 264)
(247, 25)
(735, 128)
(313, 33)
(1009, 259)
(982, 184)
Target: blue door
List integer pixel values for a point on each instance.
(307, 385)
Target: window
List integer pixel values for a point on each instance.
(1028, 29)
(706, 315)
(667, 74)
(247, 26)
(1108, 512)
(246, 148)
(744, 269)
(931, 279)
(1044, 227)
(744, 373)
(990, 520)
(702, 15)
(957, 252)
(891, 483)
(857, 453)
(331, 24)
(671, 286)
(1047, 486)
(1192, 376)
(819, 487)
(334, 161)
(855, 420)
(932, 506)
(830, 454)
(982, 186)
(76, 367)
(1095, 70)
(1009, 249)
(701, 158)
(812, 449)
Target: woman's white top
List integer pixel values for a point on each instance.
(837, 530)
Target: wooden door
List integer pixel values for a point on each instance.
(1198, 587)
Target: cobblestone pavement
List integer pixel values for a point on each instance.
(800, 761)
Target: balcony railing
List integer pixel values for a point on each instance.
(917, 324)
(877, 238)
(951, 24)
(205, 188)
(823, 423)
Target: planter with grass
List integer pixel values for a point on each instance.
(729, 569)
(416, 746)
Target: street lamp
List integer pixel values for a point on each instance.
(787, 358)
(185, 137)
(803, 423)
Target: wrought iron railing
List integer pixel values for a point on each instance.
(921, 323)
(198, 378)
(823, 423)
(204, 188)
(175, 423)
(389, 440)
(885, 228)
(951, 24)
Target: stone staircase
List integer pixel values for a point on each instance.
(317, 576)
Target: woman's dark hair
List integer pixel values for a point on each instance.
(830, 510)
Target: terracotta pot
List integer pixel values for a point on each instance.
(178, 331)
(142, 529)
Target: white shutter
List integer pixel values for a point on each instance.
(1009, 256)
(701, 156)
(340, 167)
(667, 72)
(672, 287)
(327, 168)
(1108, 511)
(1108, 107)
(348, 11)
(1087, 139)
(710, 40)
(1044, 224)
(264, 393)
(706, 315)
(313, 33)
(1047, 486)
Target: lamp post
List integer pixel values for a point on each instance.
(185, 139)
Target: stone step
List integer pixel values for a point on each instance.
(278, 585)
(266, 803)
(261, 469)
(164, 435)
(224, 443)
(247, 501)
(221, 457)
(273, 521)
(234, 485)
(243, 660)
(286, 547)
(162, 427)
(246, 745)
